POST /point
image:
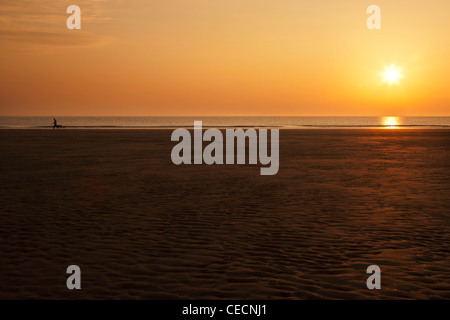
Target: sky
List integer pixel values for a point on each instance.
(223, 58)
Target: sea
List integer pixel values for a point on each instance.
(223, 122)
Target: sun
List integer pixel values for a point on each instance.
(392, 74)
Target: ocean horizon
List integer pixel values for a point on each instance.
(165, 122)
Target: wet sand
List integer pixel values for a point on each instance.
(139, 227)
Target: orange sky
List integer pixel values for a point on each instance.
(223, 57)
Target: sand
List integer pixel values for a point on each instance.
(139, 227)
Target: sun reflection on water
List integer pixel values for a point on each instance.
(391, 122)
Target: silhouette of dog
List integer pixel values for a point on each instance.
(58, 126)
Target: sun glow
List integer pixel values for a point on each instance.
(391, 122)
(392, 74)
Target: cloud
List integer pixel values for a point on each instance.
(26, 25)
(43, 38)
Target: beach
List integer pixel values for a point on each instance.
(140, 227)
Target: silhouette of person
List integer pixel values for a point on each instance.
(54, 123)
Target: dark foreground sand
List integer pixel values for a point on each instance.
(140, 227)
